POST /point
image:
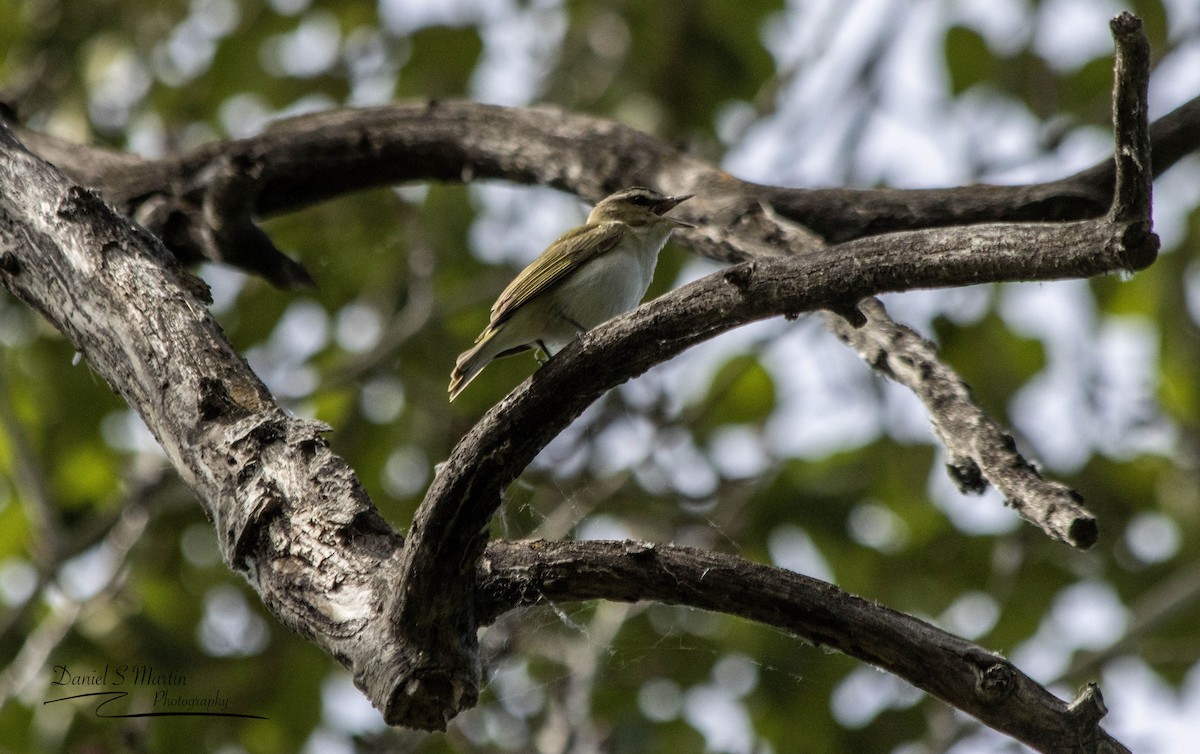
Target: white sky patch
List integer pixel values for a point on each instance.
(791, 548)
(18, 580)
(998, 132)
(225, 284)
(513, 224)
(736, 673)
(1089, 615)
(826, 399)
(918, 309)
(904, 416)
(878, 527)
(520, 694)
(906, 142)
(971, 615)
(313, 47)
(720, 718)
(519, 50)
(1097, 390)
(1049, 409)
(84, 575)
(690, 376)
(244, 114)
(229, 628)
(688, 470)
(738, 452)
(602, 527)
(796, 35)
(865, 692)
(372, 68)
(1043, 657)
(118, 81)
(344, 708)
(1176, 194)
(983, 514)
(825, 45)
(382, 399)
(1153, 537)
(325, 741)
(1176, 77)
(406, 471)
(1070, 33)
(403, 17)
(1125, 406)
(568, 454)
(660, 699)
(125, 430)
(301, 332)
(1148, 714)
(357, 327)
(624, 443)
(1005, 25)
(901, 151)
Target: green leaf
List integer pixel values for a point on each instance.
(968, 59)
(741, 392)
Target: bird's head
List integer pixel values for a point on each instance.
(638, 206)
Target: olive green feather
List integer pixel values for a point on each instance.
(568, 253)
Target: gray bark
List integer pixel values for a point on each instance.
(401, 614)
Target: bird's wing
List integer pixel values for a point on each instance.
(568, 253)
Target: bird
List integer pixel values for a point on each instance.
(589, 275)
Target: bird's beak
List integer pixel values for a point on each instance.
(670, 202)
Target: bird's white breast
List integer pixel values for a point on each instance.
(615, 281)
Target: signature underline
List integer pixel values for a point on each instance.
(119, 694)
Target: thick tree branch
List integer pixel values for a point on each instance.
(448, 532)
(447, 535)
(353, 149)
(315, 157)
(971, 678)
(290, 514)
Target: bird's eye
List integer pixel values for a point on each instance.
(640, 200)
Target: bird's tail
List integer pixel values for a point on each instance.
(471, 362)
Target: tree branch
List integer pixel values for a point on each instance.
(978, 450)
(320, 156)
(315, 157)
(447, 536)
(967, 676)
(448, 532)
(289, 513)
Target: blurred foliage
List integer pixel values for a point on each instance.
(691, 454)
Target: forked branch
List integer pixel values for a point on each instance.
(291, 515)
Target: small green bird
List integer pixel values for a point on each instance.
(589, 275)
